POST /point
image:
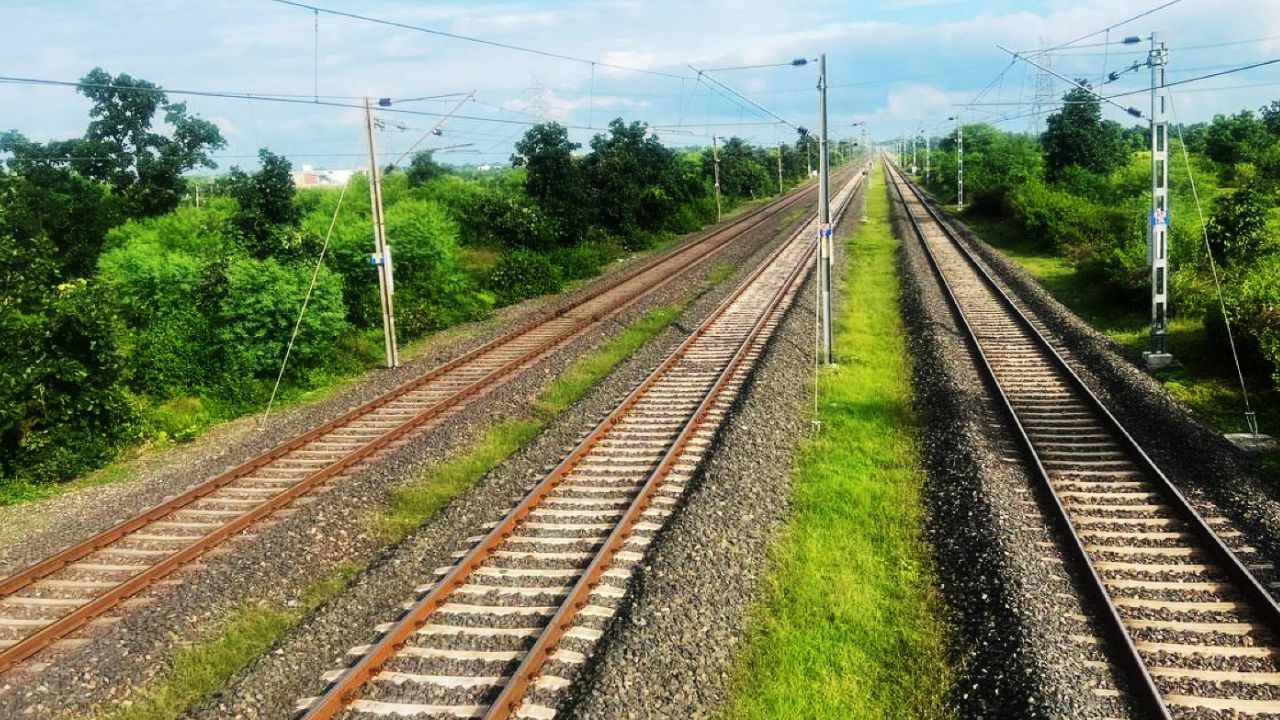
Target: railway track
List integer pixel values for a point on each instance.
(63, 593)
(1184, 604)
(505, 631)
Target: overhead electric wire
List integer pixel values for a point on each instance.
(753, 103)
(263, 98)
(1072, 43)
(472, 39)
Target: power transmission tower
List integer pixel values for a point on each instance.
(381, 257)
(1044, 89)
(1158, 222)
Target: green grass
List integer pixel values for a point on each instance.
(16, 491)
(202, 670)
(1201, 380)
(851, 626)
(420, 498)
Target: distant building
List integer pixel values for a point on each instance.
(309, 177)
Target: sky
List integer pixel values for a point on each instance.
(897, 65)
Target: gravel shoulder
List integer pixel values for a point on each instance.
(275, 561)
(1008, 590)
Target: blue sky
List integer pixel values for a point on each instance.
(894, 63)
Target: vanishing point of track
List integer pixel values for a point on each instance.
(1185, 615)
(54, 597)
(506, 630)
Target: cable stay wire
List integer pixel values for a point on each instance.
(1251, 418)
(753, 103)
(472, 39)
(440, 123)
(1232, 71)
(1132, 111)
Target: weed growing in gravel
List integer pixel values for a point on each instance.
(201, 670)
(851, 626)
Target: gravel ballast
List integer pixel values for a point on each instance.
(1008, 592)
(276, 560)
(1220, 478)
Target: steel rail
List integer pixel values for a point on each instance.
(1150, 696)
(342, 691)
(31, 644)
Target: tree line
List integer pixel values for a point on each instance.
(1081, 189)
(132, 316)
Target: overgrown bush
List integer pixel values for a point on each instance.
(585, 259)
(522, 274)
(257, 317)
(64, 407)
(1253, 303)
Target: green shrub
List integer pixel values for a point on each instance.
(257, 316)
(584, 260)
(63, 407)
(522, 274)
(1253, 301)
(179, 418)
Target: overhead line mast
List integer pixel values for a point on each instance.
(1158, 223)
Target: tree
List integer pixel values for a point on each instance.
(1233, 139)
(743, 169)
(553, 178)
(1077, 135)
(46, 204)
(120, 146)
(423, 169)
(1271, 117)
(266, 216)
(1238, 228)
(635, 181)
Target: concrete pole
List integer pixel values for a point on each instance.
(960, 163)
(780, 168)
(381, 257)
(715, 157)
(824, 213)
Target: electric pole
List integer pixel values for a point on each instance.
(780, 168)
(824, 213)
(959, 162)
(913, 152)
(1158, 223)
(381, 257)
(715, 159)
(928, 157)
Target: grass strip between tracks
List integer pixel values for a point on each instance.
(851, 626)
(203, 669)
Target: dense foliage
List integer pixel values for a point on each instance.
(1082, 189)
(131, 312)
